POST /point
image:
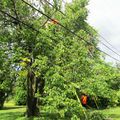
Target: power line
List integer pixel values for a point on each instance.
(101, 37)
(28, 25)
(55, 8)
(88, 32)
(108, 42)
(48, 19)
(68, 30)
(49, 36)
(109, 48)
(5, 13)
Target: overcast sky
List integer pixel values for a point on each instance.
(104, 15)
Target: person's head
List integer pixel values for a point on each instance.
(84, 93)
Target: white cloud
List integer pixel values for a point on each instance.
(104, 16)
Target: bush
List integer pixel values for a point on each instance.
(96, 116)
(20, 96)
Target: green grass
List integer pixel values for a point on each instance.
(12, 112)
(113, 113)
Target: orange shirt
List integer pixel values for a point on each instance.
(84, 99)
(54, 21)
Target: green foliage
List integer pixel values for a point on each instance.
(19, 92)
(6, 73)
(68, 65)
(97, 116)
(20, 97)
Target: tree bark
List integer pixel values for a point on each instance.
(2, 99)
(32, 108)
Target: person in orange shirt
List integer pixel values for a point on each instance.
(51, 22)
(84, 99)
(54, 21)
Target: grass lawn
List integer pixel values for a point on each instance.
(113, 113)
(12, 112)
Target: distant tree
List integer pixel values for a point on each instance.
(6, 73)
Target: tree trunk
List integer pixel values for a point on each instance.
(2, 99)
(32, 108)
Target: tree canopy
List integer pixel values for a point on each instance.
(44, 57)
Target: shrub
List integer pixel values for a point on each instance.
(96, 116)
(20, 96)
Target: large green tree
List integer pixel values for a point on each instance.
(56, 63)
(65, 58)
